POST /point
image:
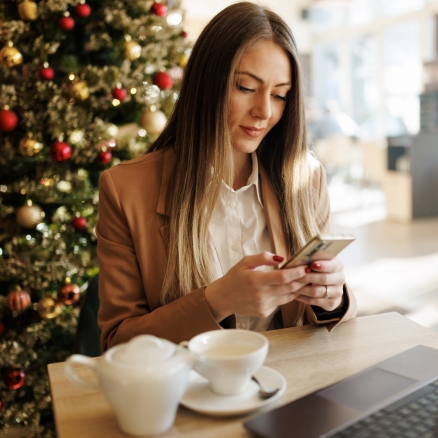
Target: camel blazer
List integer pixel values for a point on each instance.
(132, 236)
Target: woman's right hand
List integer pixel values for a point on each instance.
(248, 291)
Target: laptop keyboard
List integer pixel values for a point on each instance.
(414, 416)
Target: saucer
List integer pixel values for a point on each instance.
(200, 398)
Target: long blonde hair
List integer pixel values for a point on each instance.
(199, 134)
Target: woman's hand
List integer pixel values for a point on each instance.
(247, 291)
(323, 285)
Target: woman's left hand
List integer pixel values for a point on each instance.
(323, 286)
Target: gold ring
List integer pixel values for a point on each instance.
(327, 296)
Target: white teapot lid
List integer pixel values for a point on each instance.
(144, 350)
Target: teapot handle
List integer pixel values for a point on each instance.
(80, 360)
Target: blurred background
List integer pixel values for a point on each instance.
(371, 75)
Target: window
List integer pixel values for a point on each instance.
(365, 93)
(324, 18)
(402, 77)
(327, 73)
(399, 7)
(375, 62)
(363, 11)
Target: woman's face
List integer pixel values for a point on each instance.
(261, 83)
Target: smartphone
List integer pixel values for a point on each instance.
(321, 247)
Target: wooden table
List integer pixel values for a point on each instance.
(309, 357)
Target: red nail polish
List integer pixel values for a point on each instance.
(278, 258)
(307, 270)
(316, 265)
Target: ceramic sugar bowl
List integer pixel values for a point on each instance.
(143, 380)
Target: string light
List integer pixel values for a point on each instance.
(174, 19)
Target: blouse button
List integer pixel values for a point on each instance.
(232, 204)
(242, 326)
(234, 247)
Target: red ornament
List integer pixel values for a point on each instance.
(79, 223)
(8, 120)
(184, 34)
(66, 23)
(2, 329)
(1, 405)
(69, 293)
(163, 80)
(83, 10)
(104, 157)
(159, 9)
(60, 151)
(119, 93)
(18, 300)
(14, 378)
(46, 73)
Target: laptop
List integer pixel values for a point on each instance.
(355, 407)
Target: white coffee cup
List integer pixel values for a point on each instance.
(228, 358)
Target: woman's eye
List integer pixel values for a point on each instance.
(244, 89)
(277, 97)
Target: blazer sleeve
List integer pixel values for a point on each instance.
(124, 304)
(322, 215)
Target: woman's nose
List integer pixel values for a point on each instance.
(262, 107)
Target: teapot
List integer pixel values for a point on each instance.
(143, 380)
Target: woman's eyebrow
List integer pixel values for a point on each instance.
(260, 79)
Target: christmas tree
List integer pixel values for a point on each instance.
(83, 86)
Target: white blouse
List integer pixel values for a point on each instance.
(238, 228)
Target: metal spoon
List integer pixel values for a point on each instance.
(265, 392)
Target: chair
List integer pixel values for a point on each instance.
(87, 338)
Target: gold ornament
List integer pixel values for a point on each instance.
(29, 146)
(79, 90)
(27, 10)
(10, 56)
(183, 60)
(49, 308)
(132, 49)
(153, 121)
(29, 216)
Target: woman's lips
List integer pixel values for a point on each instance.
(251, 131)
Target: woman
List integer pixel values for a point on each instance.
(189, 234)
